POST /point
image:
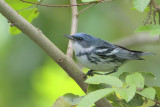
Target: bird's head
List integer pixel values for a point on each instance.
(83, 39)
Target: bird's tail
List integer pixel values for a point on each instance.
(147, 53)
(138, 54)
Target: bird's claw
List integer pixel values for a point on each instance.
(90, 73)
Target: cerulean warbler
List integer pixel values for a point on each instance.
(99, 55)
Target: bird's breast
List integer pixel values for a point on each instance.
(80, 49)
(93, 62)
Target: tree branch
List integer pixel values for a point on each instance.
(86, 8)
(40, 39)
(138, 39)
(63, 5)
(74, 26)
(155, 5)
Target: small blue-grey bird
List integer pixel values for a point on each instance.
(99, 55)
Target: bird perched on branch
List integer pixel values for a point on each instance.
(99, 55)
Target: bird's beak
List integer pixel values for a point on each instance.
(69, 37)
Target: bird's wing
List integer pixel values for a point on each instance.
(116, 52)
(104, 49)
(125, 53)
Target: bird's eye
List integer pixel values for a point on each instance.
(80, 38)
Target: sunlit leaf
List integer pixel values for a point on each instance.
(29, 15)
(149, 78)
(153, 29)
(123, 76)
(114, 81)
(94, 87)
(140, 4)
(126, 93)
(27, 10)
(148, 93)
(61, 102)
(135, 79)
(94, 96)
(72, 99)
(18, 5)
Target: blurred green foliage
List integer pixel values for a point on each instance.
(29, 78)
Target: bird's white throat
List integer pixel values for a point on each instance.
(78, 48)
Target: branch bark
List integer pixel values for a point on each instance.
(74, 26)
(40, 39)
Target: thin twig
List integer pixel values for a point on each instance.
(86, 8)
(62, 5)
(74, 26)
(149, 14)
(155, 5)
(158, 102)
(157, 8)
(154, 15)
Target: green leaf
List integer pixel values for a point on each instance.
(94, 87)
(27, 10)
(61, 102)
(137, 100)
(153, 29)
(140, 4)
(18, 5)
(111, 97)
(29, 15)
(135, 79)
(149, 78)
(148, 93)
(114, 81)
(94, 96)
(157, 93)
(89, 0)
(72, 99)
(123, 76)
(126, 93)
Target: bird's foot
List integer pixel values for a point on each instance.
(90, 73)
(115, 70)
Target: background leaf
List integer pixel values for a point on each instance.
(94, 96)
(19, 5)
(94, 87)
(61, 102)
(126, 93)
(27, 10)
(135, 79)
(149, 78)
(140, 4)
(29, 15)
(72, 99)
(114, 81)
(123, 76)
(157, 92)
(148, 93)
(153, 29)
(137, 100)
